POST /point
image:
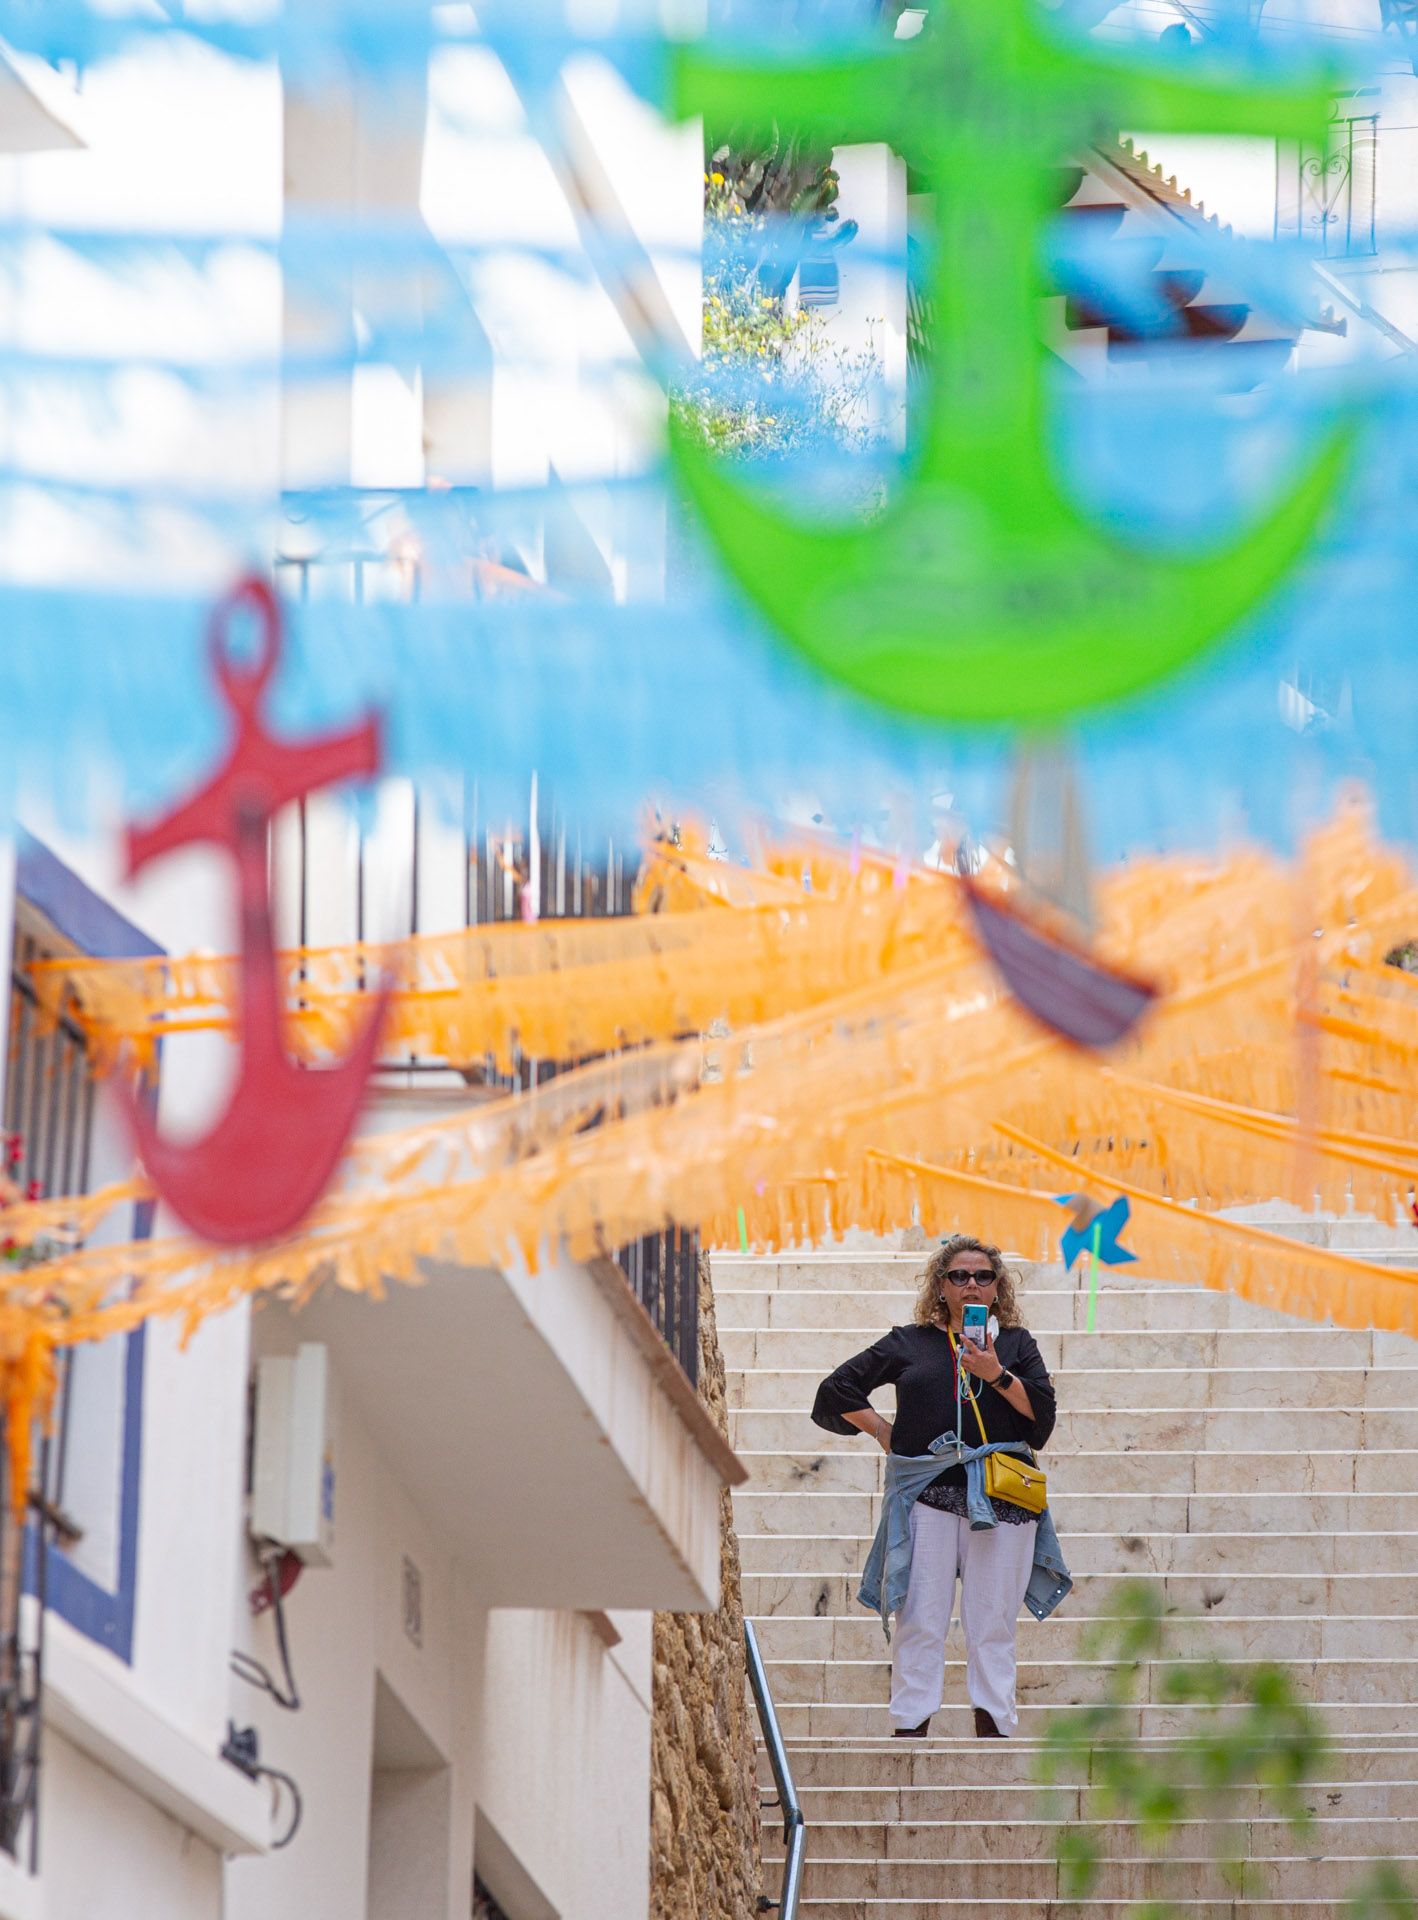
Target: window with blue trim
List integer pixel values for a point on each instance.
(63, 1136)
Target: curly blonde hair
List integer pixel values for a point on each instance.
(928, 1296)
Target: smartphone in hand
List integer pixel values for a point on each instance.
(977, 1320)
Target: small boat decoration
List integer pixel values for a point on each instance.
(1054, 977)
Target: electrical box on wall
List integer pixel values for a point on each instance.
(293, 1454)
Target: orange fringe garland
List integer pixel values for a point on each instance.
(562, 990)
(873, 1065)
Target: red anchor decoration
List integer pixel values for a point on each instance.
(269, 1157)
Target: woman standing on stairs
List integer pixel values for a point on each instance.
(998, 1564)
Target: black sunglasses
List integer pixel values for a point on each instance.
(962, 1276)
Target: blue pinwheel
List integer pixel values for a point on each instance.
(1095, 1230)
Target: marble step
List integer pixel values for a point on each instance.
(943, 1763)
(1242, 1388)
(1103, 1426)
(859, 1266)
(1161, 1307)
(853, 1272)
(859, 1467)
(857, 1514)
(860, 1720)
(1292, 1876)
(1198, 1553)
(1067, 1634)
(942, 1908)
(1377, 1681)
(1348, 1233)
(1175, 1455)
(1218, 1595)
(1014, 1805)
(956, 1837)
(820, 1349)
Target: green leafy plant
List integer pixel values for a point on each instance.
(1249, 1732)
(1383, 1894)
(783, 192)
(769, 381)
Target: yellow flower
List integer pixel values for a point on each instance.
(717, 178)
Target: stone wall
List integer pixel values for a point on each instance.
(704, 1827)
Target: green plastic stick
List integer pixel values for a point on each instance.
(984, 593)
(743, 1232)
(1093, 1279)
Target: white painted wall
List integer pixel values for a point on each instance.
(177, 139)
(346, 1632)
(189, 1502)
(109, 1851)
(523, 1720)
(565, 1764)
(523, 1728)
(869, 320)
(527, 1727)
(522, 1725)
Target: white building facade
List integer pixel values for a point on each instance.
(511, 1469)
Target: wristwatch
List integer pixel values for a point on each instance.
(1003, 1380)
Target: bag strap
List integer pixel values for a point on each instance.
(985, 1438)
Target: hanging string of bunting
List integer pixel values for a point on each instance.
(894, 1072)
(824, 1037)
(808, 923)
(1195, 1249)
(560, 990)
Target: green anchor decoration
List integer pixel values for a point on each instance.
(982, 594)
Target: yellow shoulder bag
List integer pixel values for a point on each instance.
(1007, 1477)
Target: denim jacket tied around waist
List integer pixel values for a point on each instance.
(887, 1573)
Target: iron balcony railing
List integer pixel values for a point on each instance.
(575, 878)
(794, 1826)
(663, 1271)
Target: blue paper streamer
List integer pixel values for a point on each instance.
(691, 701)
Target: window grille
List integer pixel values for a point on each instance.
(49, 1123)
(1335, 190)
(48, 1133)
(49, 1089)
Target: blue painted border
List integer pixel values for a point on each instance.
(94, 926)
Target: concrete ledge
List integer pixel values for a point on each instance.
(89, 1701)
(486, 1388)
(668, 1372)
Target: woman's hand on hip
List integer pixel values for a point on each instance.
(868, 1420)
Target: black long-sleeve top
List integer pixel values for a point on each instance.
(921, 1363)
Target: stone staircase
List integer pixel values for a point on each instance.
(1263, 1470)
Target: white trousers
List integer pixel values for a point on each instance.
(994, 1569)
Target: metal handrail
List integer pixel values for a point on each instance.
(794, 1826)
